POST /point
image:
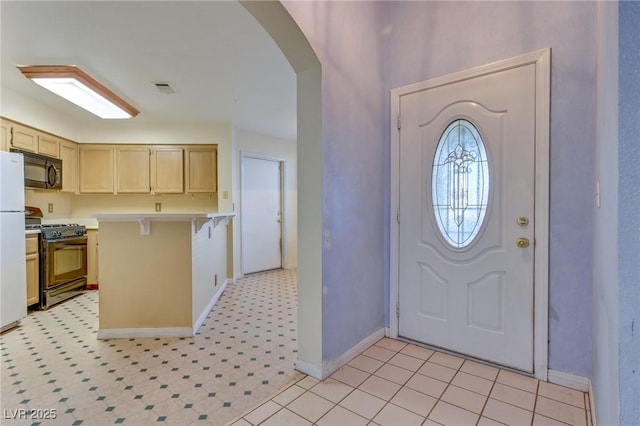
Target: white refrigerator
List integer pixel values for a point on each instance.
(13, 273)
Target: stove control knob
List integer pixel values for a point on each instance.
(79, 232)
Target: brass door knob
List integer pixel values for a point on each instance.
(522, 242)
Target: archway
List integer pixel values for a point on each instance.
(275, 19)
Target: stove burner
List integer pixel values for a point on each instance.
(58, 230)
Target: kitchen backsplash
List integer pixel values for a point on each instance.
(86, 206)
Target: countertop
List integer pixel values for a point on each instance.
(145, 219)
(171, 217)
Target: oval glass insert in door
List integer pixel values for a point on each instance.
(460, 184)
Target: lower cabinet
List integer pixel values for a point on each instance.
(33, 269)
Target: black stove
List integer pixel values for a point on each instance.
(57, 230)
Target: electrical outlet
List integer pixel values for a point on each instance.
(158, 207)
(50, 208)
(225, 195)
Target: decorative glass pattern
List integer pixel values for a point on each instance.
(460, 183)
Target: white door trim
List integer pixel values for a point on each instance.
(542, 61)
(283, 203)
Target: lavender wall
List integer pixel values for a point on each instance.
(629, 213)
(429, 39)
(605, 265)
(346, 38)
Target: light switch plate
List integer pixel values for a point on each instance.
(158, 207)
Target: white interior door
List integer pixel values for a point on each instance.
(261, 214)
(466, 232)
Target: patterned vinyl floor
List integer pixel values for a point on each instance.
(53, 365)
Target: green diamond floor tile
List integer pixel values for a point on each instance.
(207, 378)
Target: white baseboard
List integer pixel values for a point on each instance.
(210, 305)
(309, 369)
(579, 383)
(330, 367)
(132, 333)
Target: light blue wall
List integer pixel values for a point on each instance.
(346, 38)
(629, 213)
(433, 38)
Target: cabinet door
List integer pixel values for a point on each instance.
(49, 146)
(168, 171)
(96, 169)
(24, 138)
(201, 170)
(5, 131)
(132, 170)
(69, 156)
(33, 271)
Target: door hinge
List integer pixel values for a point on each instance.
(398, 121)
(398, 215)
(398, 310)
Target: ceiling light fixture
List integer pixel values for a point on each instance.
(78, 87)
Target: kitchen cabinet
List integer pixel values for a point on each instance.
(96, 169)
(92, 258)
(48, 145)
(5, 133)
(33, 270)
(132, 170)
(24, 138)
(69, 156)
(167, 170)
(201, 172)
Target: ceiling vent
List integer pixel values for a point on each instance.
(163, 87)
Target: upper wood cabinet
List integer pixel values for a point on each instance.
(15, 135)
(96, 169)
(201, 171)
(69, 156)
(48, 145)
(167, 170)
(24, 138)
(5, 135)
(132, 169)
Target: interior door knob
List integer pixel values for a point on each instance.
(522, 242)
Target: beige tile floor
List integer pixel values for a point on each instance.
(243, 356)
(243, 353)
(394, 383)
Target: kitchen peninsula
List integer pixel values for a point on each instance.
(160, 274)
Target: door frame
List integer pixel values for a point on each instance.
(542, 61)
(283, 231)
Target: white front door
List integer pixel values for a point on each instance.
(466, 218)
(261, 214)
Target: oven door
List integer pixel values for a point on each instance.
(64, 260)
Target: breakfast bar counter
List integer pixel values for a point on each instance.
(160, 274)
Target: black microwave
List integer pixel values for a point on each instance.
(41, 172)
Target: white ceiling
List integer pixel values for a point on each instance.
(221, 63)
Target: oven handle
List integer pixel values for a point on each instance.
(74, 240)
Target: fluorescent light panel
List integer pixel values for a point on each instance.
(76, 86)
